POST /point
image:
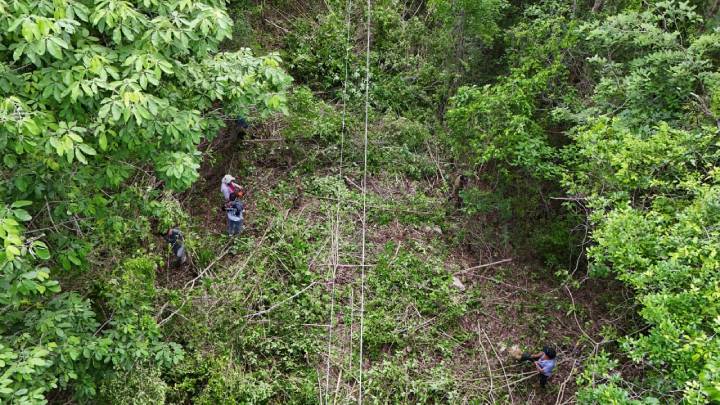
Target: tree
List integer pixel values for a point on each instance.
(635, 95)
(508, 122)
(93, 92)
(645, 155)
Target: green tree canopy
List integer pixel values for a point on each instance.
(91, 92)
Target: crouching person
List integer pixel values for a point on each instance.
(175, 239)
(235, 209)
(544, 363)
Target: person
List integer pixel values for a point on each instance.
(544, 363)
(175, 239)
(234, 209)
(228, 186)
(242, 125)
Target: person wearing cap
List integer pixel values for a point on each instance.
(228, 186)
(544, 363)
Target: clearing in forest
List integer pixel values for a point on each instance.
(282, 303)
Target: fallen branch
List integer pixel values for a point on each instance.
(422, 325)
(502, 365)
(224, 252)
(55, 225)
(47, 206)
(377, 207)
(522, 379)
(107, 321)
(349, 180)
(596, 344)
(172, 314)
(263, 140)
(337, 386)
(569, 198)
(561, 393)
(436, 161)
(482, 266)
(320, 390)
(285, 30)
(256, 248)
(487, 361)
(265, 311)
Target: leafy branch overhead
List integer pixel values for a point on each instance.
(84, 86)
(126, 81)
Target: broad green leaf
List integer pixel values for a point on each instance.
(22, 215)
(102, 141)
(11, 251)
(60, 42)
(42, 252)
(80, 157)
(20, 204)
(74, 259)
(22, 183)
(54, 49)
(87, 149)
(10, 160)
(32, 127)
(19, 51)
(116, 112)
(40, 47)
(28, 31)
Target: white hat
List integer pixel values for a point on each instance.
(227, 179)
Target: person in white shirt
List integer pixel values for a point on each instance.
(228, 186)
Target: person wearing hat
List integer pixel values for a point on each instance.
(544, 363)
(228, 186)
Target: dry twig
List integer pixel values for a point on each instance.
(482, 266)
(502, 365)
(487, 361)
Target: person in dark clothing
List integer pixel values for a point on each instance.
(242, 122)
(544, 363)
(235, 209)
(242, 126)
(175, 239)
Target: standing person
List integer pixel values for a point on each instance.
(234, 210)
(228, 186)
(175, 239)
(544, 363)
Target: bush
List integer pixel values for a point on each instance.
(138, 386)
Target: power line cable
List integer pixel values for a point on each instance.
(336, 225)
(364, 197)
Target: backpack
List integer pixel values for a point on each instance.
(236, 208)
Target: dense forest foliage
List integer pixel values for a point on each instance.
(537, 173)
